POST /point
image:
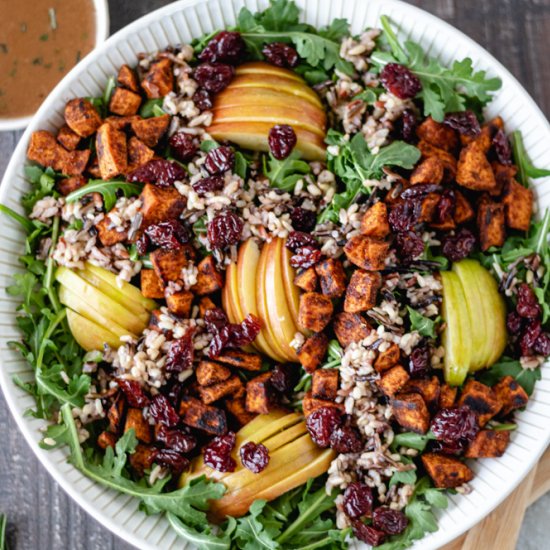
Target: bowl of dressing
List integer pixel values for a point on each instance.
(40, 42)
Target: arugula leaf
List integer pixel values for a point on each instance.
(241, 165)
(152, 108)
(108, 189)
(523, 162)
(251, 533)
(205, 539)
(284, 174)
(43, 182)
(526, 378)
(407, 477)
(422, 324)
(412, 440)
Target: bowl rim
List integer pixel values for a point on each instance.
(102, 21)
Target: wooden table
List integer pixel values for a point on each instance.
(40, 515)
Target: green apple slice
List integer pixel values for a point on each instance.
(497, 309)
(457, 336)
(88, 334)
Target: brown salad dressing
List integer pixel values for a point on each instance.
(40, 41)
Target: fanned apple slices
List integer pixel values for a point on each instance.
(261, 96)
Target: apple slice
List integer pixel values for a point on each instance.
(227, 303)
(262, 68)
(89, 335)
(457, 336)
(291, 290)
(497, 307)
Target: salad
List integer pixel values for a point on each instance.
(284, 284)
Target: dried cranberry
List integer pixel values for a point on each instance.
(404, 215)
(224, 230)
(135, 396)
(419, 361)
(162, 411)
(302, 219)
(420, 190)
(445, 208)
(284, 378)
(173, 391)
(514, 323)
(454, 424)
(527, 306)
(176, 440)
(254, 457)
(400, 81)
(409, 245)
(211, 184)
(202, 100)
(458, 246)
(172, 459)
(298, 239)
(225, 47)
(214, 77)
(184, 146)
(215, 319)
(392, 522)
(321, 423)
(455, 448)
(282, 139)
(368, 534)
(180, 353)
(280, 54)
(406, 126)
(465, 122)
(305, 257)
(217, 454)
(530, 335)
(346, 439)
(235, 335)
(142, 245)
(357, 500)
(158, 171)
(501, 145)
(169, 235)
(219, 160)
(542, 344)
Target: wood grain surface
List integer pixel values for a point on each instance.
(40, 515)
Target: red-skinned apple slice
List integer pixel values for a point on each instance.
(291, 290)
(262, 68)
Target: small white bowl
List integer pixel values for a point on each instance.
(101, 33)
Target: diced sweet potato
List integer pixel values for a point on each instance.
(447, 396)
(92, 169)
(151, 284)
(331, 277)
(259, 394)
(112, 153)
(504, 173)
(463, 209)
(350, 327)
(310, 404)
(388, 358)
(313, 351)
(374, 222)
(169, 263)
(448, 161)
(241, 359)
(150, 130)
(160, 204)
(159, 79)
(430, 170)
(510, 393)
(366, 252)
(306, 280)
(135, 421)
(481, 399)
(362, 291)
(437, 134)
(236, 406)
(205, 303)
(324, 384)
(81, 117)
(410, 412)
(68, 139)
(42, 148)
(109, 236)
(127, 78)
(68, 185)
(142, 458)
(203, 417)
(490, 222)
(138, 153)
(446, 472)
(210, 394)
(116, 415)
(209, 279)
(428, 388)
(315, 311)
(180, 303)
(106, 439)
(121, 122)
(428, 207)
(518, 205)
(474, 170)
(393, 380)
(210, 372)
(488, 444)
(71, 163)
(124, 102)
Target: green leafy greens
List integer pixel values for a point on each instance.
(523, 162)
(108, 189)
(424, 325)
(284, 174)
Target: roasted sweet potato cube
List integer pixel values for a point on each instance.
(510, 393)
(366, 252)
(331, 277)
(121, 122)
(203, 417)
(236, 406)
(150, 130)
(362, 291)
(518, 205)
(446, 472)
(71, 163)
(481, 399)
(350, 327)
(124, 102)
(159, 79)
(127, 78)
(151, 284)
(437, 134)
(310, 404)
(68, 139)
(428, 388)
(474, 170)
(324, 384)
(448, 160)
(388, 358)
(259, 394)
(169, 263)
(93, 167)
(68, 185)
(313, 351)
(374, 222)
(463, 209)
(411, 412)
(488, 444)
(210, 394)
(42, 148)
(180, 303)
(490, 223)
(447, 396)
(205, 303)
(430, 170)
(209, 279)
(504, 173)
(241, 359)
(110, 236)
(210, 372)
(106, 439)
(142, 458)
(306, 280)
(315, 311)
(135, 421)
(117, 414)
(112, 153)
(428, 207)
(81, 117)
(393, 380)
(160, 204)
(138, 153)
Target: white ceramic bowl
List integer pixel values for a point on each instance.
(101, 9)
(180, 22)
